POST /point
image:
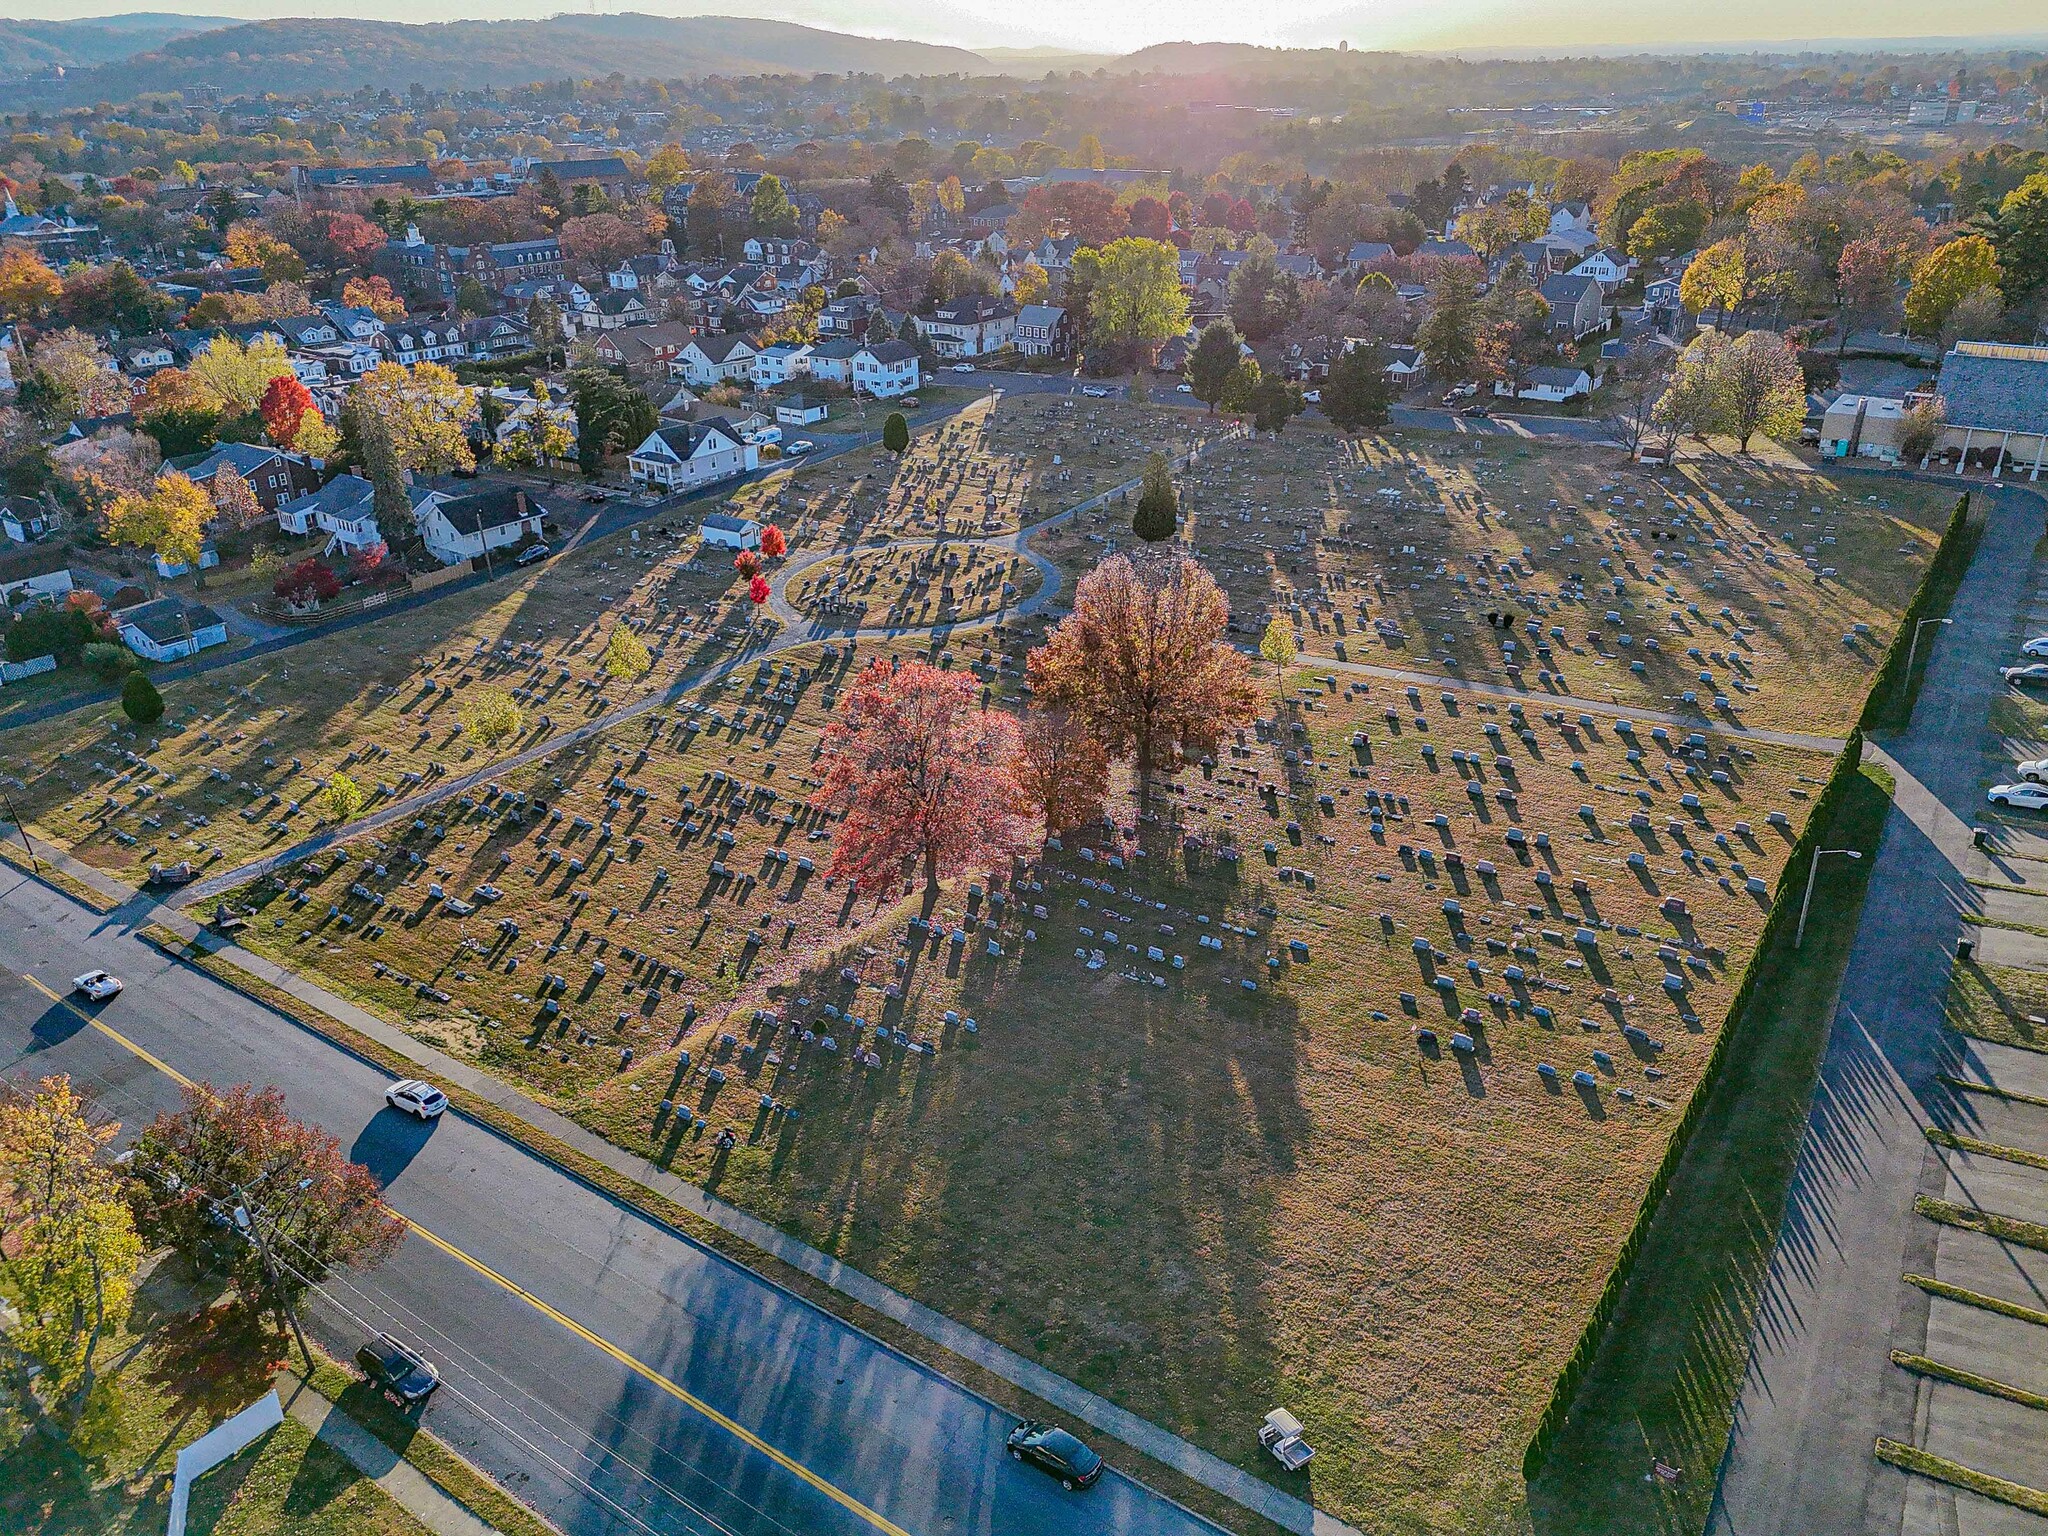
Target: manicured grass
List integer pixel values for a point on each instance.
(1978, 1147)
(2011, 1229)
(1921, 1365)
(167, 1380)
(1971, 1298)
(1667, 1376)
(1996, 1003)
(1942, 1470)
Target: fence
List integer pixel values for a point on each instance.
(15, 671)
(1784, 908)
(1881, 706)
(217, 1445)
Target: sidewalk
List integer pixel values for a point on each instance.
(137, 909)
(419, 1495)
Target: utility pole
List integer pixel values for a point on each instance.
(250, 1229)
(21, 832)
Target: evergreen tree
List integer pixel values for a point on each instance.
(1213, 362)
(1158, 514)
(1358, 396)
(896, 433)
(140, 701)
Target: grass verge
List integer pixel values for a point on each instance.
(1175, 1485)
(1667, 1375)
(1910, 1458)
(2009, 1229)
(1998, 1003)
(1980, 1148)
(1921, 1365)
(1978, 1299)
(2012, 1095)
(50, 874)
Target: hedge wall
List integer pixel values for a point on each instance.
(1784, 909)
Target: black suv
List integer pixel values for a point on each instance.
(398, 1370)
(1054, 1450)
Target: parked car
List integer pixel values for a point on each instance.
(397, 1370)
(2026, 672)
(963, 368)
(1312, 396)
(1095, 392)
(2023, 797)
(596, 496)
(98, 986)
(2038, 646)
(533, 556)
(1052, 1449)
(1183, 389)
(2034, 770)
(412, 1096)
(801, 446)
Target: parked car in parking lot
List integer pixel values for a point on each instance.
(1052, 1449)
(2034, 770)
(2038, 646)
(2023, 797)
(2026, 672)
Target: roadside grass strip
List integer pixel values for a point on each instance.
(1969, 1298)
(1910, 1458)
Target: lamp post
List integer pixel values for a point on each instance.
(1913, 652)
(1799, 938)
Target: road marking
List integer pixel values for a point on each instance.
(647, 1372)
(112, 1034)
(640, 1368)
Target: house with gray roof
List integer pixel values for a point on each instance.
(1995, 399)
(1576, 304)
(681, 455)
(169, 628)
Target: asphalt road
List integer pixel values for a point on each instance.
(632, 1382)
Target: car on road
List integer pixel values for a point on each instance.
(533, 556)
(1480, 411)
(1095, 392)
(397, 1370)
(1183, 389)
(596, 496)
(1460, 392)
(2034, 770)
(1052, 1449)
(801, 446)
(98, 986)
(2038, 646)
(963, 367)
(2026, 672)
(413, 1096)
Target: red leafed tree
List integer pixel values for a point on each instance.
(773, 545)
(747, 563)
(222, 1149)
(1142, 664)
(921, 772)
(1062, 773)
(757, 590)
(1150, 218)
(308, 581)
(283, 406)
(354, 236)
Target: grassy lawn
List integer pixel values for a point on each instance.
(913, 585)
(171, 1378)
(1631, 587)
(1667, 1376)
(1997, 1002)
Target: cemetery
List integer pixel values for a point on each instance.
(913, 585)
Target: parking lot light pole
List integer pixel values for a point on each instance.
(1799, 938)
(1913, 652)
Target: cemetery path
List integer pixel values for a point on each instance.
(1820, 1388)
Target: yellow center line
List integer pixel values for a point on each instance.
(640, 1368)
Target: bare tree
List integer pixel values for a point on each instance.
(1634, 387)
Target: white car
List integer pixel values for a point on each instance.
(1096, 392)
(97, 985)
(415, 1097)
(963, 367)
(801, 446)
(2038, 646)
(2034, 770)
(1184, 389)
(1312, 396)
(2026, 672)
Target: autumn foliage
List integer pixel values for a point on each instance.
(283, 406)
(1141, 663)
(757, 590)
(1062, 773)
(773, 544)
(921, 773)
(747, 563)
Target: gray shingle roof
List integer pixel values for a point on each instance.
(1995, 387)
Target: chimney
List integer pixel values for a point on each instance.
(520, 498)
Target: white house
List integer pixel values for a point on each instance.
(169, 628)
(44, 572)
(680, 455)
(1567, 218)
(709, 360)
(722, 531)
(886, 369)
(973, 326)
(345, 510)
(1553, 384)
(468, 527)
(24, 519)
(1607, 267)
(831, 362)
(780, 362)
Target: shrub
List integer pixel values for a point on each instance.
(343, 797)
(896, 433)
(140, 701)
(45, 629)
(106, 660)
(489, 715)
(626, 654)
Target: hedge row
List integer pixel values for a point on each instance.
(1784, 910)
(1880, 705)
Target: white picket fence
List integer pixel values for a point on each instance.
(15, 671)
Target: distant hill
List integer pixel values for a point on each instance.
(304, 54)
(27, 45)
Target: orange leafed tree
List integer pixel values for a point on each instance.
(920, 772)
(773, 544)
(283, 407)
(1062, 773)
(1142, 664)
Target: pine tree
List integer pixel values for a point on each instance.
(896, 433)
(1158, 515)
(140, 701)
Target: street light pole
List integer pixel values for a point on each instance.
(1799, 938)
(1913, 652)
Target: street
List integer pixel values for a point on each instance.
(613, 1374)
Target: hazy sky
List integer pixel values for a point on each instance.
(1092, 25)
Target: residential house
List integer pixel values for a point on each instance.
(413, 261)
(416, 180)
(886, 369)
(775, 251)
(708, 360)
(352, 322)
(799, 411)
(24, 519)
(311, 330)
(1996, 398)
(169, 628)
(1575, 304)
(41, 572)
(722, 531)
(1445, 249)
(140, 356)
(519, 410)
(972, 326)
(470, 527)
(1364, 253)
(410, 341)
(679, 456)
(781, 362)
(1607, 267)
(1863, 426)
(615, 308)
(643, 350)
(1567, 218)
(652, 272)
(1553, 384)
(345, 510)
(831, 362)
(273, 474)
(490, 336)
(1044, 330)
(607, 173)
(1403, 363)
(848, 316)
